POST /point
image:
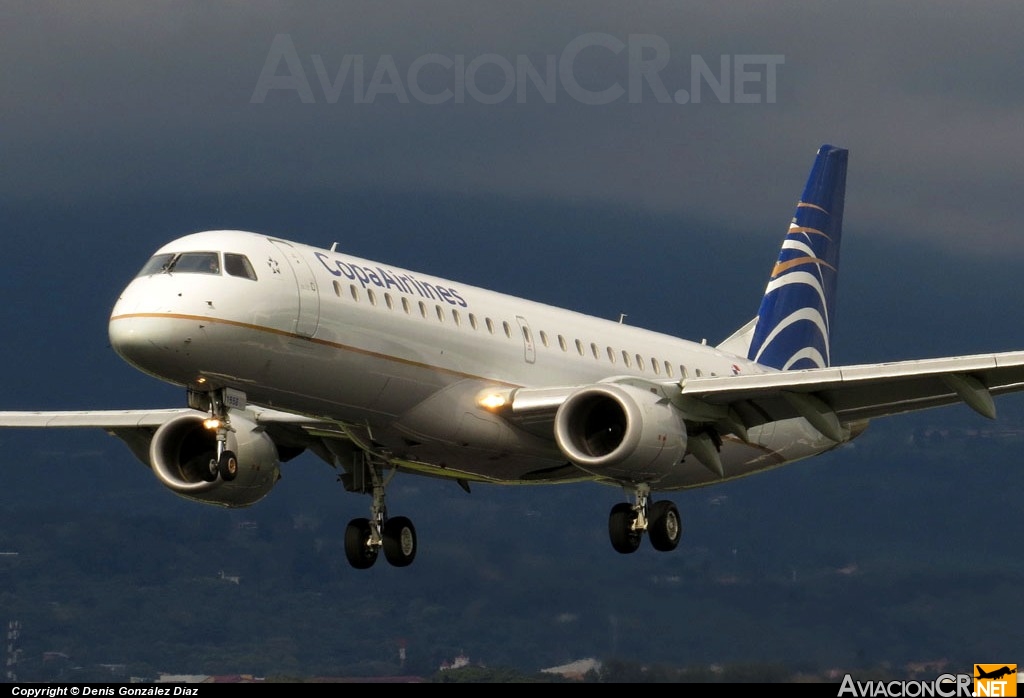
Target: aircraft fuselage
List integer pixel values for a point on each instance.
(403, 354)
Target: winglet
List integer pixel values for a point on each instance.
(795, 319)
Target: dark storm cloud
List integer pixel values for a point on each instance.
(121, 99)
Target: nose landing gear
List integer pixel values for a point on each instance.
(225, 462)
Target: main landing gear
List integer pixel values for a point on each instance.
(628, 522)
(364, 538)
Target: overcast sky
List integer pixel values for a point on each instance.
(119, 99)
(127, 124)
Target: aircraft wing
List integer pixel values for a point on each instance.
(826, 397)
(130, 419)
(136, 427)
(866, 391)
(103, 419)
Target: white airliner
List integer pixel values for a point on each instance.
(284, 348)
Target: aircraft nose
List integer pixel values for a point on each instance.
(137, 340)
(160, 346)
(145, 334)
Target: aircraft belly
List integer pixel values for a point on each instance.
(770, 446)
(328, 379)
(452, 418)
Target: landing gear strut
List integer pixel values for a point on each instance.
(364, 537)
(628, 522)
(225, 462)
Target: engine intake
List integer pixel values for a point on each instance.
(182, 448)
(621, 432)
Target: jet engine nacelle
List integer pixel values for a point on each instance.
(181, 450)
(621, 432)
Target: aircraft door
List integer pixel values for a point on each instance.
(529, 348)
(308, 316)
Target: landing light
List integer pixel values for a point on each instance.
(211, 423)
(492, 401)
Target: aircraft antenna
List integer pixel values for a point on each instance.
(622, 318)
(334, 247)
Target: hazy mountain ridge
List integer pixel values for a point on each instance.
(881, 552)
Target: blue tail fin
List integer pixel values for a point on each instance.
(798, 308)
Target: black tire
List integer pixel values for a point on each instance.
(358, 550)
(227, 466)
(620, 529)
(209, 473)
(399, 541)
(664, 527)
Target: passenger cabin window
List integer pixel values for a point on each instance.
(238, 265)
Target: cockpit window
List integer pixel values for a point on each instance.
(195, 263)
(183, 263)
(238, 265)
(157, 264)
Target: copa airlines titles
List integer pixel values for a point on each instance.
(382, 278)
(53, 691)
